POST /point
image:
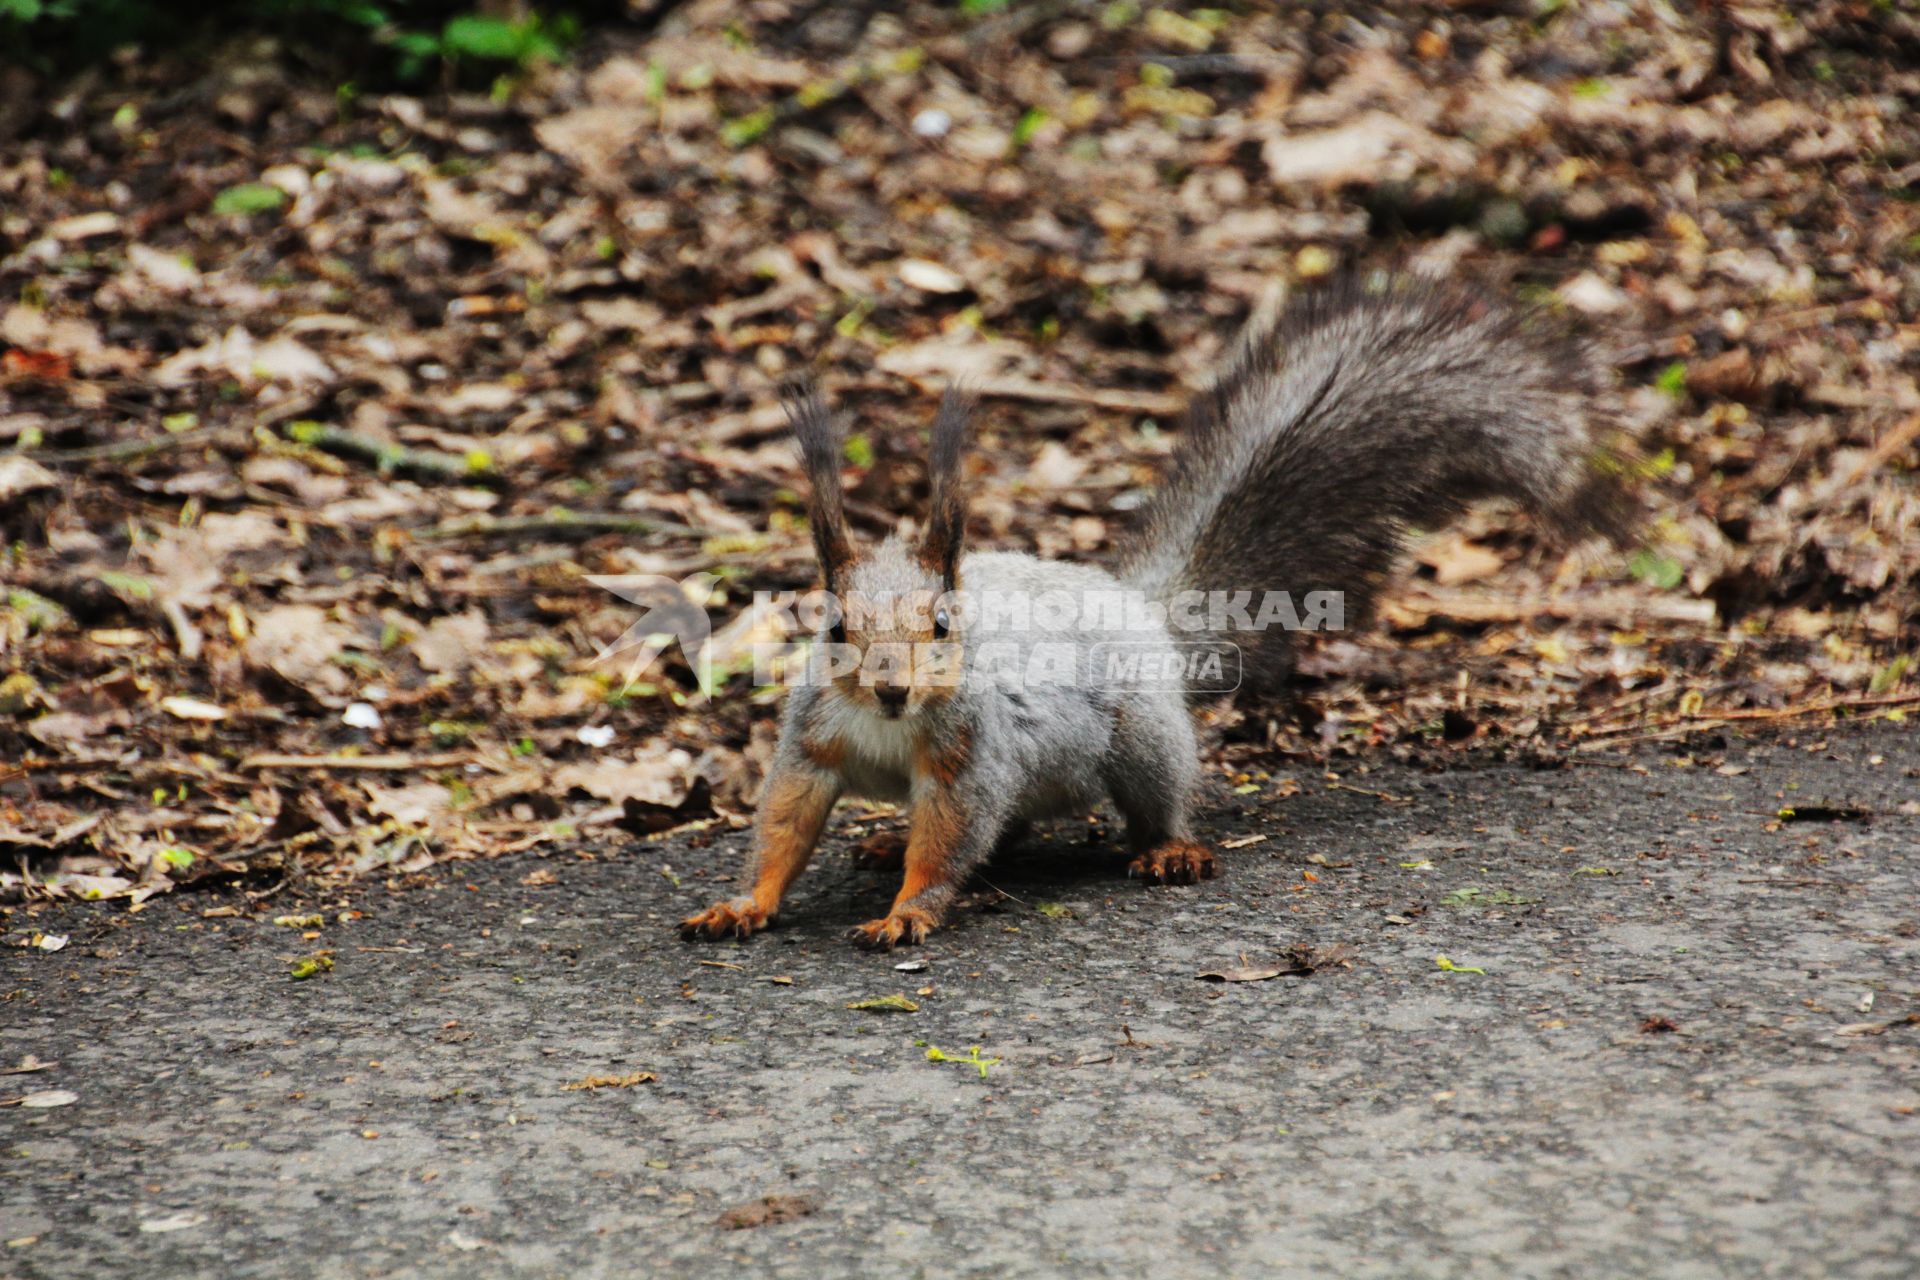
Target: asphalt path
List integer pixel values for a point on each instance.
(1678, 1038)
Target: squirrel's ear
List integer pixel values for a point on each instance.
(947, 516)
(820, 446)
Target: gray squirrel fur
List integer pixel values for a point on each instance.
(1358, 414)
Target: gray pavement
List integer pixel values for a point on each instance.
(1688, 1055)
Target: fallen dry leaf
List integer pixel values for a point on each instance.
(1240, 975)
(1878, 1028)
(612, 1082)
(419, 805)
(299, 642)
(46, 1098)
(20, 476)
(1298, 961)
(192, 709)
(659, 779)
(766, 1211)
(931, 277)
(453, 644)
(1454, 560)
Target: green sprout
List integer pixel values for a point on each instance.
(972, 1059)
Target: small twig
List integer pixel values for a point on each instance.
(1704, 719)
(521, 563)
(1879, 1028)
(1002, 892)
(396, 762)
(473, 468)
(1813, 708)
(1617, 716)
(817, 92)
(261, 895)
(134, 450)
(184, 632)
(555, 524)
(1895, 440)
(1651, 735)
(1377, 795)
(1618, 607)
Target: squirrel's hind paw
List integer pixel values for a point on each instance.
(900, 927)
(882, 851)
(739, 918)
(1175, 862)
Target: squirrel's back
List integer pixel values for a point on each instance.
(1359, 413)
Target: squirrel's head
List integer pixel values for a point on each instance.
(895, 637)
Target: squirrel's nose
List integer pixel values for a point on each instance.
(892, 696)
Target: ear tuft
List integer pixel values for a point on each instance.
(818, 432)
(947, 517)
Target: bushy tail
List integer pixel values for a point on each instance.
(1359, 414)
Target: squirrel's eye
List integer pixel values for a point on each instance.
(838, 631)
(940, 624)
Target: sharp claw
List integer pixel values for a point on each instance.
(725, 919)
(1177, 862)
(909, 926)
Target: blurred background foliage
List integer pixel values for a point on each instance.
(377, 40)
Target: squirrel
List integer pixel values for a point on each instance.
(1357, 413)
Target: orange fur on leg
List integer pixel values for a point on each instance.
(939, 823)
(793, 812)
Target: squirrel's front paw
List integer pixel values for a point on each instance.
(1175, 862)
(902, 925)
(739, 918)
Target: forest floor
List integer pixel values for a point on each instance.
(320, 405)
(1680, 1036)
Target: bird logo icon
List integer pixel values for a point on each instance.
(670, 613)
